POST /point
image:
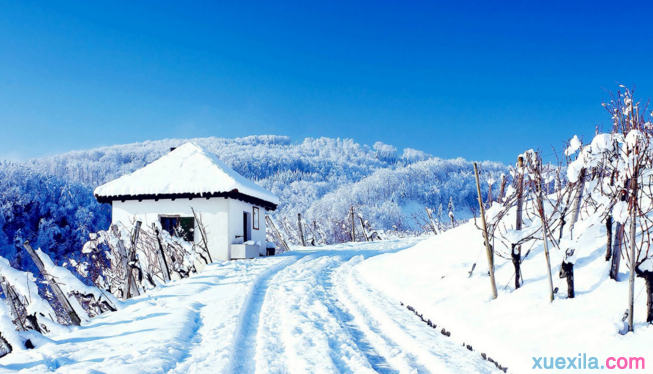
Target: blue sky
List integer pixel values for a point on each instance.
(480, 80)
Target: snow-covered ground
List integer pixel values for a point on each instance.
(307, 311)
(433, 277)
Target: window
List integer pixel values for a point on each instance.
(182, 227)
(169, 224)
(187, 228)
(255, 218)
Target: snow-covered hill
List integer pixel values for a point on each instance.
(319, 178)
(433, 277)
(49, 201)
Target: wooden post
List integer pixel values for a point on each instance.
(617, 243)
(516, 249)
(278, 234)
(124, 260)
(58, 293)
(633, 260)
(487, 239)
(502, 188)
(202, 230)
(353, 224)
(316, 231)
(367, 239)
(131, 282)
(608, 227)
(608, 231)
(578, 199)
(11, 299)
(567, 269)
(162, 255)
(301, 229)
(431, 221)
(489, 196)
(540, 201)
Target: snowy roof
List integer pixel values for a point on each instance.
(188, 170)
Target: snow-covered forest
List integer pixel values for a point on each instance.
(49, 200)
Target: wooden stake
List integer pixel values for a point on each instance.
(633, 260)
(487, 239)
(617, 243)
(608, 231)
(516, 249)
(132, 288)
(567, 269)
(540, 201)
(431, 221)
(58, 293)
(278, 234)
(353, 224)
(367, 239)
(301, 229)
(10, 296)
(202, 230)
(162, 256)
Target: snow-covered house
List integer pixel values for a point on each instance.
(232, 208)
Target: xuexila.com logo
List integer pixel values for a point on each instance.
(584, 362)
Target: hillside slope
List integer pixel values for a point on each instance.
(433, 277)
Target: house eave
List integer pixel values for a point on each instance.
(235, 194)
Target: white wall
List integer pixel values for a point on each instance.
(214, 214)
(222, 218)
(236, 209)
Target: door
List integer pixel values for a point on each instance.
(247, 233)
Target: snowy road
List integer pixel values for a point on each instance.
(317, 316)
(303, 312)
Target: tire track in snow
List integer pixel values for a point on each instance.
(244, 343)
(429, 349)
(301, 332)
(384, 354)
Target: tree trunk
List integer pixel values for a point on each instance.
(568, 271)
(608, 229)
